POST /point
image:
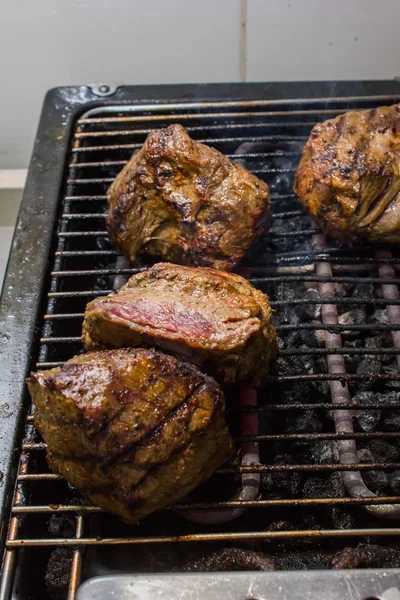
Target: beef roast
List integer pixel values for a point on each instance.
(349, 175)
(134, 430)
(186, 202)
(217, 320)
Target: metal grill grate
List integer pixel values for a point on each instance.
(294, 411)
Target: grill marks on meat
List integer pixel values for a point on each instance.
(133, 430)
(217, 320)
(186, 202)
(349, 175)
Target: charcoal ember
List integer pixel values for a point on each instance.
(390, 418)
(342, 290)
(305, 422)
(312, 338)
(61, 525)
(231, 559)
(367, 555)
(290, 365)
(320, 366)
(379, 317)
(363, 290)
(292, 340)
(371, 366)
(365, 456)
(392, 370)
(324, 487)
(321, 452)
(57, 573)
(376, 480)
(352, 317)
(341, 518)
(379, 342)
(102, 283)
(387, 398)
(267, 483)
(310, 311)
(351, 360)
(286, 314)
(382, 451)
(367, 419)
(280, 525)
(264, 423)
(287, 482)
(394, 482)
(312, 520)
(104, 243)
(391, 421)
(303, 560)
(280, 182)
(293, 393)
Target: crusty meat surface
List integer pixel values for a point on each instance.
(217, 320)
(349, 175)
(186, 203)
(134, 430)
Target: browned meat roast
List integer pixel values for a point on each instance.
(187, 203)
(217, 320)
(349, 175)
(133, 430)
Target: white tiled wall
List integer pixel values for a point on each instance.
(322, 39)
(9, 205)
(45, 43)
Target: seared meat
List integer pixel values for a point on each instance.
(214, 319)
(186, 202)
(349, 175)
(133, 430)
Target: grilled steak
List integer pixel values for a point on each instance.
(187, 203)
(349, 175)
(133, 430)
(217, 320)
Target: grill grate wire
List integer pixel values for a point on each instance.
(84, 266)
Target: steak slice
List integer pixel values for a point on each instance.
(349, 175)
(134, 430)
(217, 320)
(186, 203)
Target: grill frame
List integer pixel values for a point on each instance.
(25, 282)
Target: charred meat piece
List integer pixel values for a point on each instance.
(133, 430)
(217, 320)
(187, 203)
(366, 556)
(349, 175)
(231, 559)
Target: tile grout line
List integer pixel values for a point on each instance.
(243, 40)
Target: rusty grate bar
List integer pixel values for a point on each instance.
(208, 537)
(76, 567)
(213, 115)
(291, 503)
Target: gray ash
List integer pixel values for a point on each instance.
(57, 573)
